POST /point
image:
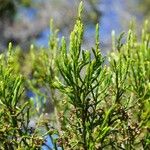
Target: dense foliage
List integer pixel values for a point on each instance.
(99, 102)
(8, 8)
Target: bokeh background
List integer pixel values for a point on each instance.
(23, 22)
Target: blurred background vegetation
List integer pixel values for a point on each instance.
(23, 22)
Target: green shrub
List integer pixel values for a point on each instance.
(15, 132)
(96, 106)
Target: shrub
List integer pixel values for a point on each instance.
(15, 132)
(97, 105)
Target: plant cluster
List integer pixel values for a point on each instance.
(99, 102)
(15, 132)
